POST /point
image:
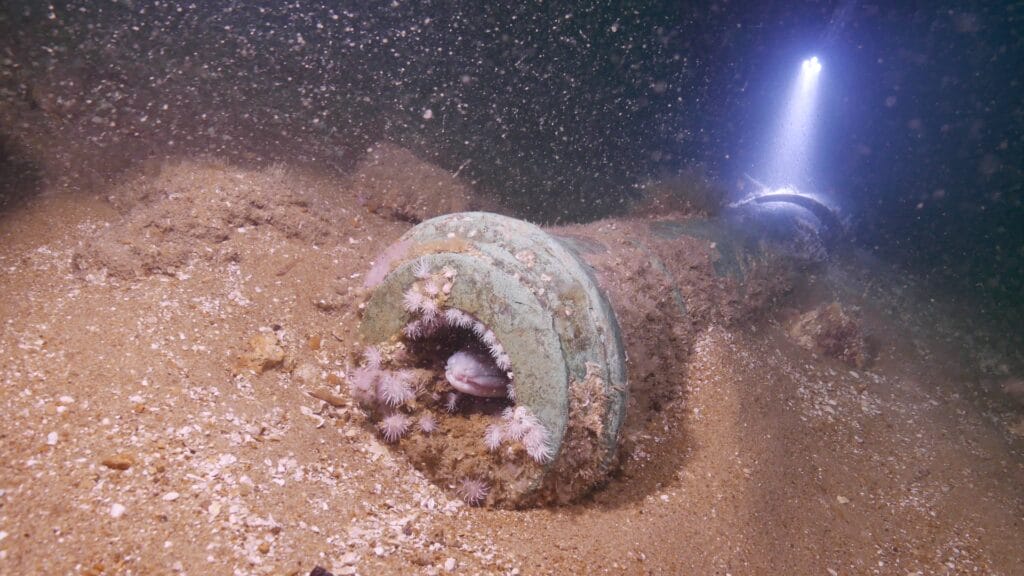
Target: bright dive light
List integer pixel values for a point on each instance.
(790, 157)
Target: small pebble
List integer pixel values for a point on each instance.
(51, 439)
(171, 496)
(116, 511)
(117, 462)
(449, 565)
(842, 499)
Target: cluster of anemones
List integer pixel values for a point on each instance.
(389, 390)
(519, 424)
(427, 297)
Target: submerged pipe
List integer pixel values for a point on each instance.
(497, 351)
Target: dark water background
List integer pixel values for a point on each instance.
(559, 109)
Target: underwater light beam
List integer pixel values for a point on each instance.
(791, 158)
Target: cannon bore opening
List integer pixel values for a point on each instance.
(442, 391)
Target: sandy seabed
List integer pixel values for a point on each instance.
(137, 439)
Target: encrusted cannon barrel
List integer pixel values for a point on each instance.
(493, 359)
(514, 298)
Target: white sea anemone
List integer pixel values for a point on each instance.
(516, 430)
(394, 426)
(493, 436)
(479, 329)
(503, 361)
(538, 443)
(413, 330)
(362, 384)
(373, 357)
(473, 491)
(430, 288)
(458, 318)
(393, 388)
(522, 426)
(453, 316)
(518, 422)
(451, 401)
(421, 270)
(429, 308)
(427, 424)
(412, 300)
(431, 324)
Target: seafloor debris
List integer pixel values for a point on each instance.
(831, 331)
(264, 353)
(118, 462)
